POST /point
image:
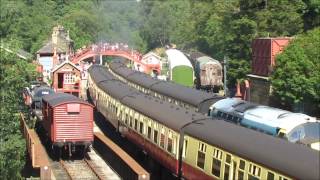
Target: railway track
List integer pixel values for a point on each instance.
(81, 169)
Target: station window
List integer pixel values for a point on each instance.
(68, 78)
(201, 155)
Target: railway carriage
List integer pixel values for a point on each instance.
(208, 71)
(196, 147)
(67, 122)
(164, 90)
(227, 151)
(307, 133)
(181, 70)
(273, 121)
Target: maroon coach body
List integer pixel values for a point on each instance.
(68, 122)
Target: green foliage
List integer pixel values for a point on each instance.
(15, 74)
(296, 78)
(237, 71)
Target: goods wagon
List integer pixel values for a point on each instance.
(181, 70)
(67, 122)
(194, 146)
(208, 71)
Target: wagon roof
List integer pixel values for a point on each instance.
(296, 160)
(61, 98)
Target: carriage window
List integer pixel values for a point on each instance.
(240, 175)
(149, 132)
(201, 155)
(169, 146)
(228, 158)
(131, 122)
(216, 162)
(185, 146)
(254, 172)
(242, 164)
(201, 159)
(127, 119)
(282, 178)
(241, 169)
(270, 176)
(136, 124)
(162, 138)
(141, 128)
(226, 171)
(155, 136)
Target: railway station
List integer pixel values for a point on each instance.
(161, 90)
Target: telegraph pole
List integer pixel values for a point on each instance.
(225, 61)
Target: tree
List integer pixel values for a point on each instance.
(15, 74)
(296, 79)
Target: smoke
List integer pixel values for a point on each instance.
(120, 21)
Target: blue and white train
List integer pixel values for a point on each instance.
(269, 120)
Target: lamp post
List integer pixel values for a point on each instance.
(225, 62)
